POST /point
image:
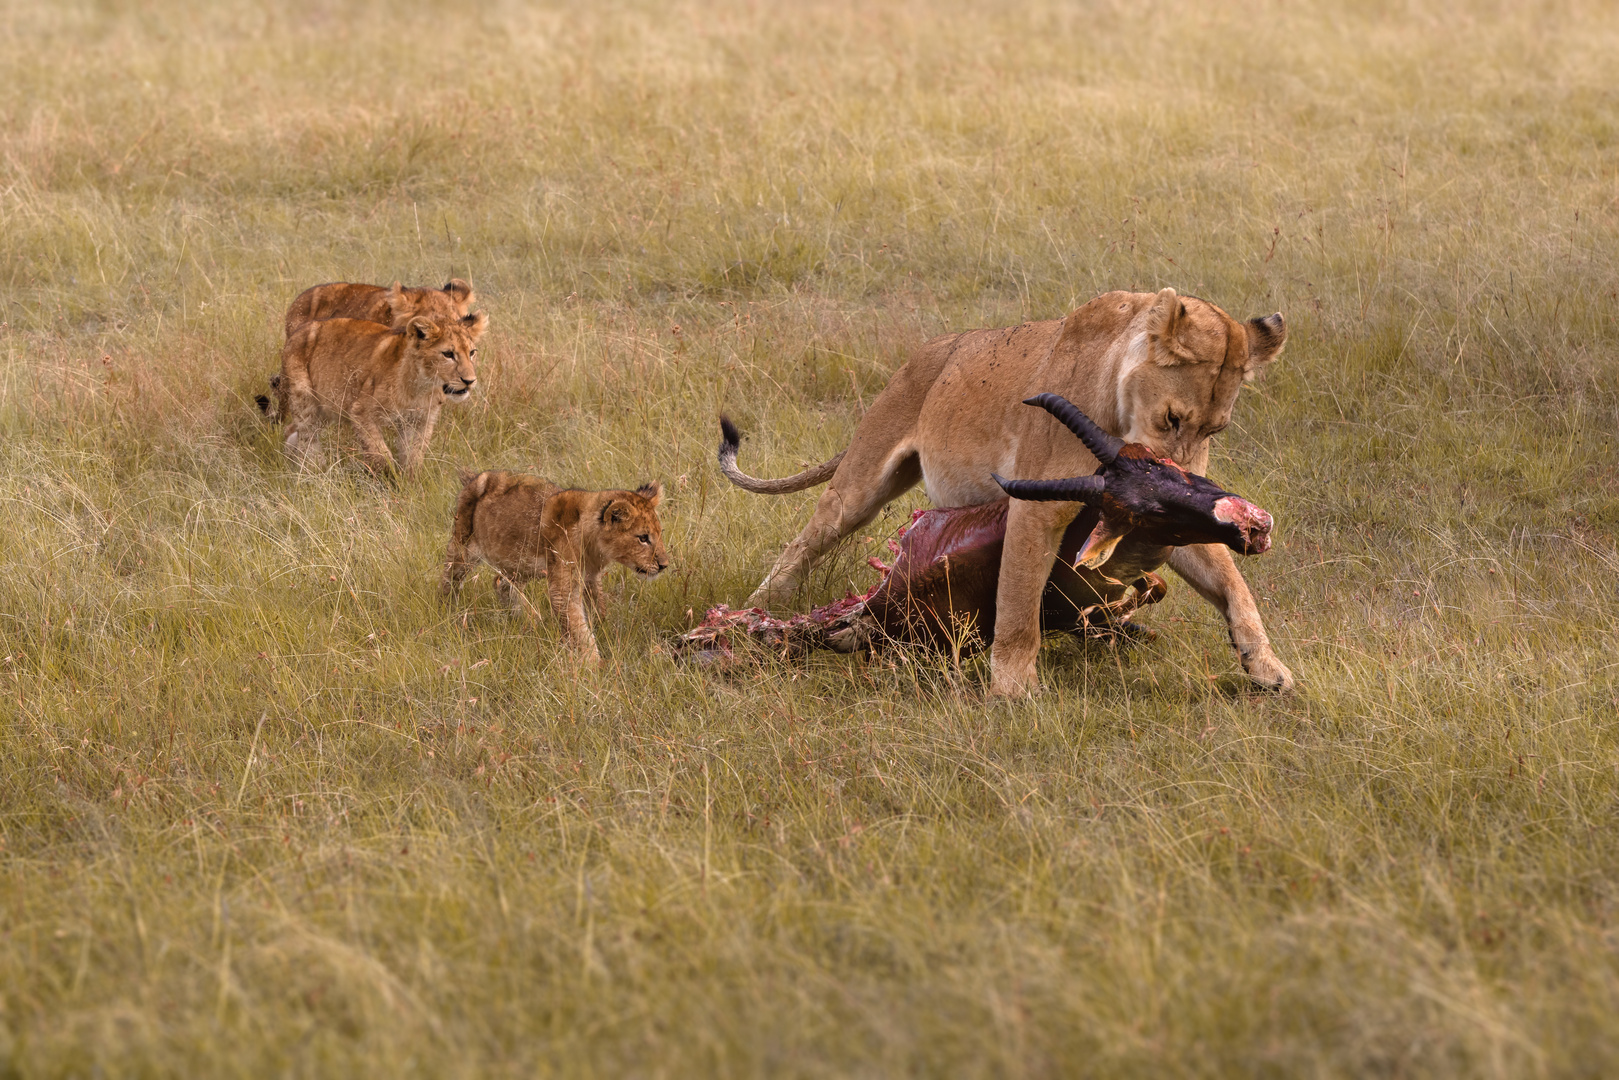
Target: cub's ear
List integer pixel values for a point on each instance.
(421, 328)
(614, 512)
(1266, 336)
(459, 291)
(652, 493)
(398, 305)
(476, 322)
(1164, 321)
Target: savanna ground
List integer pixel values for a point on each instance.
(268, 806)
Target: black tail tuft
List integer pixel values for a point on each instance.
(728, 431)
(263, 402)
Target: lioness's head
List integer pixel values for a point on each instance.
(629, 530)
(442, 350)
(1186, 367)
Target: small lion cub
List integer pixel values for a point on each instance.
(527, 527)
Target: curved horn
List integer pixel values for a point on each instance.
(1106, 447)
(1086, 489)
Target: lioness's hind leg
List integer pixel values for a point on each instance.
(860, 488)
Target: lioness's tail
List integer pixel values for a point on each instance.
(731, 438)
(275, 397)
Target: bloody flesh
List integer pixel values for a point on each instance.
(939, 593)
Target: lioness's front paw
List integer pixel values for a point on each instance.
(1266, 670)
(1005, 684)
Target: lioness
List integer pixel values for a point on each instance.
(375, 303)
(527, 527)
(374, 375)
(941, 590)
(1157, 369)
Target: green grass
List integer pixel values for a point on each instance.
(268, 806)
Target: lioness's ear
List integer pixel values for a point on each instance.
(398, 306)
(1163, 327)
(652, 493)
(421, 328)
(475, 322)
(459, 291)
(1266, 336)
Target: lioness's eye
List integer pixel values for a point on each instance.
(1171, 420)
(471, 354)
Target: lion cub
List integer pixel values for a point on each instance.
(526, 527)
(375, 303)
(373, 375)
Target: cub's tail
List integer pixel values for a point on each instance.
(731, 438)
(466, 505)
(459, 559)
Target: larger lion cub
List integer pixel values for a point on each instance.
(374, 375)
(388, 305)
(527, 527)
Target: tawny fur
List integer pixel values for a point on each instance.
(390, 305)
(1159, 369)
(375, 376)
(525, 527)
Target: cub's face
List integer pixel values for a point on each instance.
(443, 350)
(631, 532)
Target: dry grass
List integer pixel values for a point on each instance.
(267, 806)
